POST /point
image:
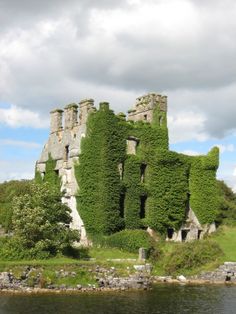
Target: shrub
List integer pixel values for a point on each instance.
(187, 256)
(40, 225)
(13, 249)
(8, 190)
(129, 240)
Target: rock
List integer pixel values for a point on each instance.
(142, 254)
(181, 278)
(79, 287)
(140, 267)
(4, 278)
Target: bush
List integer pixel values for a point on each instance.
(13, 249)
(129, 240)
(187, 256)
(8, 190)
(40, 225)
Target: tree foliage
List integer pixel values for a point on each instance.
(227, 208)
(8, 190)
(41, 221)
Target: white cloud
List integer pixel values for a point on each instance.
(82, 48)
(16, 170)
(190, 152)
(226, 148)
(23, 144)
(186, 126)
(19, 117)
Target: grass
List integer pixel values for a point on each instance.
(226, 238)
(84, 268)
(110, 253)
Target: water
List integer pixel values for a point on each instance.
(162, 299)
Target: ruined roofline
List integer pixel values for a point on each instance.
(145, 105)
(70, 115)
(71, 106)
(142, 110)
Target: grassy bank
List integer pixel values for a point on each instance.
(82, 270)
(226, 238)
(70, 271)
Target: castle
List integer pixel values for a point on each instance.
(154, 189)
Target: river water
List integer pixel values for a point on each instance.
(162, 299)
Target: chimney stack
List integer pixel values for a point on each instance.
(56, 120)
(70, 116)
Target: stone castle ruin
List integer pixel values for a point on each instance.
(68, 127)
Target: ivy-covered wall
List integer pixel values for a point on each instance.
(148, 186)
(168, 191)
(204, 199)
(100, 187)
(51, 176)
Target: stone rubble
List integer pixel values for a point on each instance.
(107, 279)
(224, 273)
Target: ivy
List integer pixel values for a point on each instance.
(154, 185)
(102, 150)
(204, 199)
(133, 192)
(51, 176)
(168, 191)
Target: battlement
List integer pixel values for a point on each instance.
(145, 105)
(70, 113)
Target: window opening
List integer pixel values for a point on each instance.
(122, 205)
(66, 152)
(160, 120)
(142, 172)
(143, 200)
(145, 117)
(184, 234)
(121, 170)
(170, 233)
(199, 234)
(57, 172)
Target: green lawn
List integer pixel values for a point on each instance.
(101, 255)
(226, 238)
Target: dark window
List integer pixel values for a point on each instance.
(184, 234)
(199, 234)
(66, 152)
(142, 171)
(145, 117)
(122, 205)
(170, 233)
(57, 172)
(143, 200)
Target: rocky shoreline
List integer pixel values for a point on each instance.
(108, 281)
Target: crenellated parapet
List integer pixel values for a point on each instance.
(71, 117)
(146, 106)
(56, 120)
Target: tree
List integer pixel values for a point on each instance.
(227, 209)
(8, 190)
(41, 221)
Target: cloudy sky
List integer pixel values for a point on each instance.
(56, 52)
